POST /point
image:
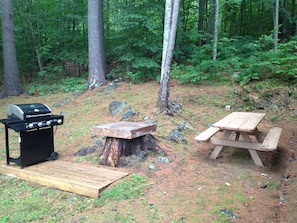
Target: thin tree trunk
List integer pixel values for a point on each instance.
(77, 65)
(294, 30)
(35, 44)
(201, 19)
(242, 17)
(210, 22)
(166, 35)
(215, 32)
(276, 16)
(164, 90)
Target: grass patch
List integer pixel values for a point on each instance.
(91, 158)
(132, 187)
(221, 218)
(239, 197)
(273, 185)
(22, 201)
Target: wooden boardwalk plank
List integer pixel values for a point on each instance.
(78, 168)
(75, 176)
(83, 179)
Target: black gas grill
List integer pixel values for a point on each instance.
(34, 123)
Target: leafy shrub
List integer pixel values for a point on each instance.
(242, 59)
(50, 86)
(73, 83)
(42, 89)
(188, 74)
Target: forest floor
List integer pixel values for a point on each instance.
(190, 187)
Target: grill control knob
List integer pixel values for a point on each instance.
(59, 121)
(31, 125)
(39, 124)
(48, 123)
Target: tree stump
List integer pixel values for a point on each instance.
(125, 139)
(115, 148)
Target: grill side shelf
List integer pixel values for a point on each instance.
(16, 125)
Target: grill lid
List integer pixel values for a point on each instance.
(27, 111)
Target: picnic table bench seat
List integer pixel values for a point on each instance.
(207, 134)
(271, 140)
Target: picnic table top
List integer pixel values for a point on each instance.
(240, 121)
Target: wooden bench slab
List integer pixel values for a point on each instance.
(271, 140)
(123, 130)
(205, 136)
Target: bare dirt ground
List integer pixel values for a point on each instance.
(190, 187)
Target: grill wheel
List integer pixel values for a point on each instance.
(54, 156)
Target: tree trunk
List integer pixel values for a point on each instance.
(166, 34)
(291, 12)
(284, 21)
(116, 149)
(242, 17)
(171, 18)
(201, 19)
(97, 60)
(275, 31)
(210, 22)
(35, 44)
(75, 47)
(12, 85)
(215, 32)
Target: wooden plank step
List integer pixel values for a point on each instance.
(271, 140)
(205, 136)
(123, 130)
(84, 179)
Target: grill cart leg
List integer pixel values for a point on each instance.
(7, 145)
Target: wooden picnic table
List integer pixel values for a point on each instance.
(238, 129)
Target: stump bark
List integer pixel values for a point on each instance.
(115, 148)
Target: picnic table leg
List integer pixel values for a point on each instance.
(259, 135)
(253, 153)
(216, 152)
(256, 158)
(218, 149)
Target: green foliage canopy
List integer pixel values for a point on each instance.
(51, 38)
